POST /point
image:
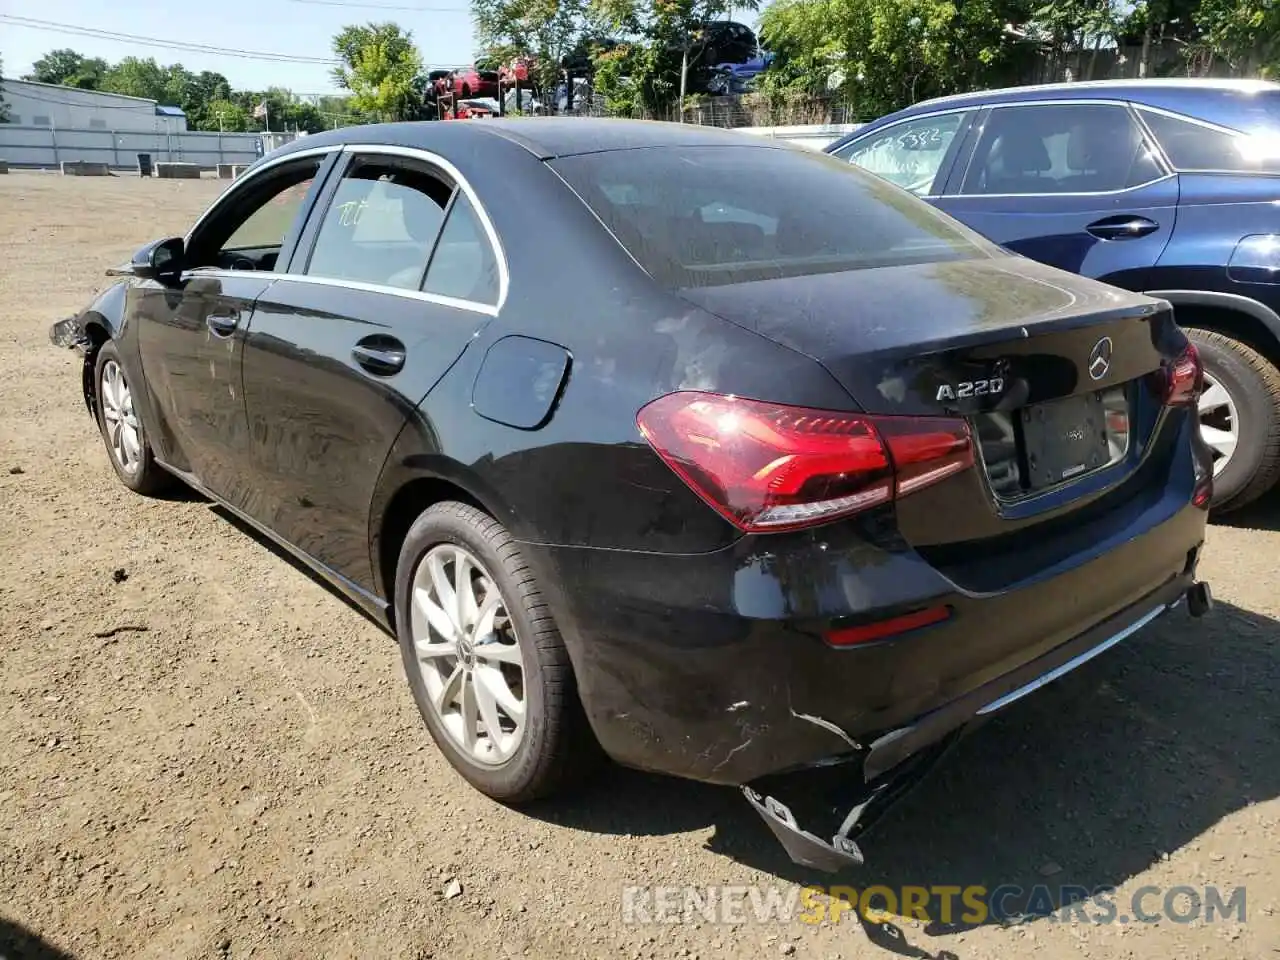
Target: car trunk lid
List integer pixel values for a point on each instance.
(1051, 371)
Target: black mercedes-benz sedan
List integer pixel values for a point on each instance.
(719, 457)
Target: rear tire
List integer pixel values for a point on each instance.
(1248, 413)
(553, 745)
(122, 429)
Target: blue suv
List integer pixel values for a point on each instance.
(1166, 187)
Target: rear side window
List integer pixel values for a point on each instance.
(464, 264)
(707, 216)
(1193, 146)
(381, 225)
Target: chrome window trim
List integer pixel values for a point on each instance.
(1090, 193)
(414, 153)
(1161, 160)
(487, 309)
(239, 184)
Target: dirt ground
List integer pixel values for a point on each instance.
(239, 769)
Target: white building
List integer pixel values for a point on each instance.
(68, 108)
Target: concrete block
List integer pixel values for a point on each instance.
(85, 168)
(4, 167)
(177, 171)
(226, 171)
(238, 168)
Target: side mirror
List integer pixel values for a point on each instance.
(160, 260)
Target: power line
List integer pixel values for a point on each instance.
(165, 44)
(384, 6)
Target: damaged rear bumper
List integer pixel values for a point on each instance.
(818, 814)
(715, 667)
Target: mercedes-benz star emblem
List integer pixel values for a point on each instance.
(1100, 358)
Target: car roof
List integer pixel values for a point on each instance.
(1240, 104)
(1142, 91)
(545, 138)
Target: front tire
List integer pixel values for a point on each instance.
(121, 426)
(484, 659)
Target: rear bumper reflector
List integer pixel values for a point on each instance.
(880, 629)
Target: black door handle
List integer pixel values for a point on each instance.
(380, 355)
(1122, 227)
(223, 324)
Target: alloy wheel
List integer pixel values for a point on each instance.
(468, 655)
(124, 433)
(1219, 422)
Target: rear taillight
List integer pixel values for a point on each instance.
(1184, 378)
(766, 466)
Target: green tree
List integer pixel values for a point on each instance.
(284, 110)
(1153, 21)
(135, 77)
(1075, 27)
(194, 93)
(1244, 33)
(670, 36)
(629, 78)
(70, 69)
(886, 54)
(382, 68)
(225, 115)
(337, 112)
(543, 32)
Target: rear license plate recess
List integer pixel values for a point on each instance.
(1064, 439)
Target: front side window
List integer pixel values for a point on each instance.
(706, 216)
(248, 228)
(269, 222)
(1060, 148)
(909, 154)
(381, 224)
(1193, 146)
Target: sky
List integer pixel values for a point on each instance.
(441, 28)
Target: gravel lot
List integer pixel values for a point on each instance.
(239, 769)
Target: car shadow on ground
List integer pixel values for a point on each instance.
(1262, 514)
(250, 531)
(1087, 782)
(180, 492)
(19, 943)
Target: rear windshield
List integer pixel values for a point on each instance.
(707, 216)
